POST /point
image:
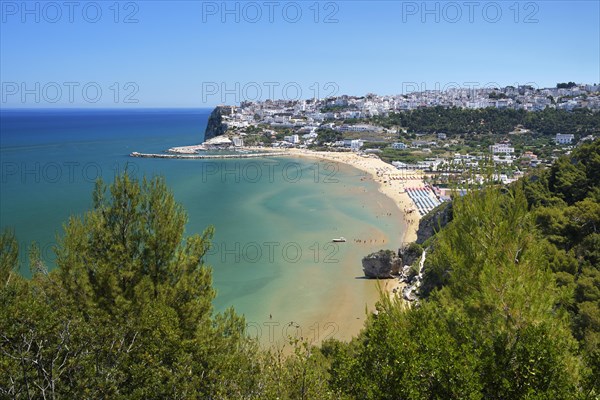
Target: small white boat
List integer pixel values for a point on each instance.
(340, 239)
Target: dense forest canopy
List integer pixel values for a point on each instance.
(510, 307)
(457, 121)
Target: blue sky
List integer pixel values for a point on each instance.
(199, 54)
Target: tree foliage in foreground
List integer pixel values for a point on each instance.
(492, 331)
(128, 313)
(565, 202)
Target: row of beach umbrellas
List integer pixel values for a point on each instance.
(424, 199)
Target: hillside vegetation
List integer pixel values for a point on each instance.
(512, 307)
(457, 121)
(510, 310)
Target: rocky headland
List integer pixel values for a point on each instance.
(217, 125)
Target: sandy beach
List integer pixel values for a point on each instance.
(392, 184)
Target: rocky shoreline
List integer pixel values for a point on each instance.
(216, 126)
(401, 268)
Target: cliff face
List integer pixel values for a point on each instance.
(381, 265)
(216, 125)
(410, 253)
(434, 221)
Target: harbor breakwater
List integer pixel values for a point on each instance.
(207, 156)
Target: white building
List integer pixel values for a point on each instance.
(312, 135)
(401, 165)
(236, 124)
(502, 148)
(429, 164)
(564, 138)
(293, 139)
(359, 128)
(398, 146)
(354, 144)
(502, 160)
(238, 142)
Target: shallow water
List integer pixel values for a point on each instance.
(272, 258)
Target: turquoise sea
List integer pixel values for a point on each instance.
(272, 258)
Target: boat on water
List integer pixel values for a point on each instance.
(338, 240)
